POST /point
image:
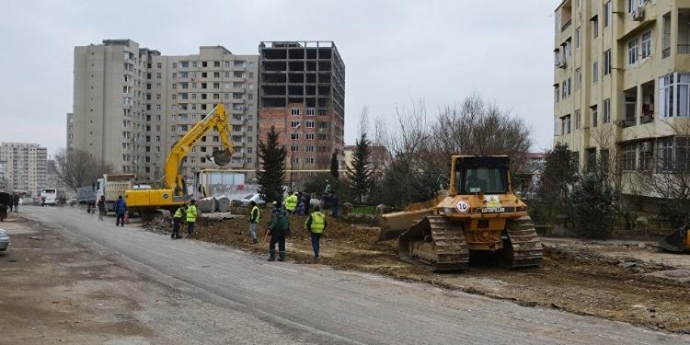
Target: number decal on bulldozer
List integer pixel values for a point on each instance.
(462, 206)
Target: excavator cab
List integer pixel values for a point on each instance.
(479, 213)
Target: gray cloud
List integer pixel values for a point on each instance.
(394, 51)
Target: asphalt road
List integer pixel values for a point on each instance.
(255, 301)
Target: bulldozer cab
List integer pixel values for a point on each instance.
(479, 175)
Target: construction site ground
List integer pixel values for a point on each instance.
(628, 281)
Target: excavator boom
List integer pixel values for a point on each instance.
(173, 194)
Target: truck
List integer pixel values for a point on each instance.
(87, 195)
(174, 193)
(113, 186)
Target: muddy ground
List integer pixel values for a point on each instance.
(625, 281)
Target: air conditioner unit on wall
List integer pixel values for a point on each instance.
(562, 62)
(638, 13)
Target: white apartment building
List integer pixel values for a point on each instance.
(25, 166)
(131, 104)
(622, 86)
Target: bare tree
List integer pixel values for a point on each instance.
(406, 174)
(478, 128)
(76, 168)
(668, 182)
(421, 148)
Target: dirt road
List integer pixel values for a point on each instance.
(623, 281)
(194, 292)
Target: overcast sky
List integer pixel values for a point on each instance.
(394, 51)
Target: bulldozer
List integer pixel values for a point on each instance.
(479, 213)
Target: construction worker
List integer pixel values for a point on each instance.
(291, 202)
(191, 216)
(254, 216)
(316, 224)
(101, 207)
(178, 217)
(278, 229)
(120, 211)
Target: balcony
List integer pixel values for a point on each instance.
(566, 25)
(646, 119)
(682, 49)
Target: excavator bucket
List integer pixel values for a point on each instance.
(676, 241)
(222, 157)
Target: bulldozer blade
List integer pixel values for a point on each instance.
(222, 157)
(394, 224)
(675, 241)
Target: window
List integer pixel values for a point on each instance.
(607, 62)
(595, 27)
(557, 92)
(294, 148)
(607, 110)
(578, 119)
(294, 111)
(310, 160)
(595, 115)
(633, 51)
(591, 160)
(309, 148)
(646, 155)
(595, 72)
(604, 161)
(646, 45)
(294, 124)
(310, 136)
(577, 37)
(565, 125)
(294, 136)
(629, 153)
(578, 78)
(674, 95)
(607, 13)
(238, 74)
(310, 124)
(673, 154)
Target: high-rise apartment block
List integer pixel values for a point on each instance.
(303, 97)
(25, 166)
(131, 104)
(622, 85)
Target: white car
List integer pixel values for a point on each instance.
(257, 198)
(4, 240)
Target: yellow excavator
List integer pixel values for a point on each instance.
(478, 213)
(174, 192)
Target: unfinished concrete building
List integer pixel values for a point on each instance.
(302, 94)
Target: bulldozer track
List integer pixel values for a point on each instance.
(450, 252)
(526, 245)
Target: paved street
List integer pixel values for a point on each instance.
(264, 302)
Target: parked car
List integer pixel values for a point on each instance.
(4, 240)
(257, 198)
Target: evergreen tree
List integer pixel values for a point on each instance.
(272, 178)
(334, 166)
(592, 202)
(557, 179)
(360, 173)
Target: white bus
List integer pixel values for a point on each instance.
(48, 196)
